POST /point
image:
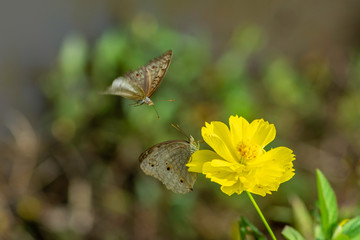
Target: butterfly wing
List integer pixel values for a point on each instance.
(125, 87)
(141, 83)
(166, 162)
(157, 69)
(140, 76)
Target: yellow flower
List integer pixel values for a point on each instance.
(240, 162)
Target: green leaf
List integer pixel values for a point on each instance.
(352, 228)
(327, 204)
(337, 232)
(303, 219)
(318, 233)
(341, 236)
(291, 234)
(247, 229)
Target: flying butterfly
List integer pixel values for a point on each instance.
(140, 85)
(166, 162)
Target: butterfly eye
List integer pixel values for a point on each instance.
(152, 165)
(153, 67)
(137, 75)
(181, 180)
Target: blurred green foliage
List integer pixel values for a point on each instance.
(91, 142)
(326, 224)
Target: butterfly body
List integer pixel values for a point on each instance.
(140, 85)
(166, 162)
(128, 89)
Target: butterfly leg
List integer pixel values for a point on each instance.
(139, 103)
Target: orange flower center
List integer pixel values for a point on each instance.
(248, 151)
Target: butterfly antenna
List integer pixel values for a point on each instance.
(177, 127)
(158, 116)
(170, 100)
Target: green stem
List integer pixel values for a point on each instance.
(261, 216)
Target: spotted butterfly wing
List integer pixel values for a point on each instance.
(166, 161)
(140, 85)
(128, 88)
(157, 69)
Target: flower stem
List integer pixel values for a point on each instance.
(261, 215)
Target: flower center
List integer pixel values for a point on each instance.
(248, 151)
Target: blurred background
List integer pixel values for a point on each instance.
(69, 157)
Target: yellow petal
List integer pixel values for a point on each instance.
(217, 136)
(259, 191)
(281, 155)
(221, 172)
(198, 158)
(238, 129)
(287, 176)
(261, 132)
(229, 190)
(272, 168)
(235, 188)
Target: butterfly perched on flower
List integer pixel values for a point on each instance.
(140, 85)
(167, 160)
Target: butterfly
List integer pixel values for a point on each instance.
(140, 85)
(166, 162)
